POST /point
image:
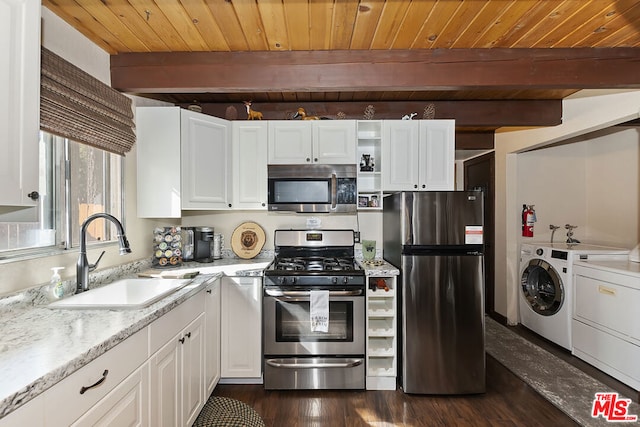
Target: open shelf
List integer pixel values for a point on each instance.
(381, 335)
(369, 133)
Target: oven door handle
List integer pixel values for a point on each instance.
(298, 294)
(348, 363)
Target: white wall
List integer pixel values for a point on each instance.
(586, 112)
(591, 182)
(369, 223)
(613, 188)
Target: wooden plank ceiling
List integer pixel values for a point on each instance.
(197, 51)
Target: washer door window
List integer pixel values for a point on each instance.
(542, 287)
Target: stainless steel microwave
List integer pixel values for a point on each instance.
(312, 188)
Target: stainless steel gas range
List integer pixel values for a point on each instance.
(314, 312)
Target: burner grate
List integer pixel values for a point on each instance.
(316, 264)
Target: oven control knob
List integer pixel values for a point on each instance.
(294, 280)
(281, 280)
(345, 280)
(334, 280)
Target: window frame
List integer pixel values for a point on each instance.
(57, 212)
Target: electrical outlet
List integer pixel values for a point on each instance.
(356, 236)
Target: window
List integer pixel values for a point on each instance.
(76, 180)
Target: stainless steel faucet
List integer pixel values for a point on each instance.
(83, 267)
(553, 229)
(570, 238)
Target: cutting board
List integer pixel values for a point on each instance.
(247, 240)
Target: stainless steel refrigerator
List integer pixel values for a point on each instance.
(436, 240)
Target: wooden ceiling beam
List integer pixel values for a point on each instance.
(376, 70)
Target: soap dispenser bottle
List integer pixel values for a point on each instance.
(56, 288)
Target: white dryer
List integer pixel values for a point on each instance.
(546, 286)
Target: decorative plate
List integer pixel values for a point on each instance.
(247, 240)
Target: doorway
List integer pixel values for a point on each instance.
(479, 174)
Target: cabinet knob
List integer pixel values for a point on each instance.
(34, 195)
(424, 186)
(229, 204)
(208, 291)
(308, 159)
(415, 186)
(315, 160)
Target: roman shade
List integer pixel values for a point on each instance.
(77, 106)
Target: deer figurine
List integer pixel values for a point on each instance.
(302, 114)
(252, 114)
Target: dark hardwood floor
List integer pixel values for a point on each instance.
(507, 402)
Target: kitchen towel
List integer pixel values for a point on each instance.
(319, 311)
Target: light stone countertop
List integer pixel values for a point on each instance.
(385, 269)
(40, 346)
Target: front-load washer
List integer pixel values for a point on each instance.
(546, 286)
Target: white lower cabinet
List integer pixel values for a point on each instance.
(126, 405)
(177, 369)
(241, 329)
(160, 376)
(89, 388)
(212, 337)
(31, 414)
(381, 333)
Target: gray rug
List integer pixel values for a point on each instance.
(226, 412)
(564, 385)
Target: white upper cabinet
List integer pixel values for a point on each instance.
(290, 142)
(158, 162)
(312, 141)
(334, 141)
(437, 147)
(418, 155)
(206, 155)
(183, 161)
(20, 101)
(250, 164)
(400, 160)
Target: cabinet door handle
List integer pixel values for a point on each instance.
(188, 334)
(208, 291)
(606, 291)
(181, 340)
(96, 384)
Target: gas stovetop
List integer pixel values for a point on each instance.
(314, 258)
(316, 264)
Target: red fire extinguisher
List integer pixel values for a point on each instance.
(528, 219)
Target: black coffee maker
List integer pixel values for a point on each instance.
(202, 240)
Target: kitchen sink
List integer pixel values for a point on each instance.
(123, 294)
